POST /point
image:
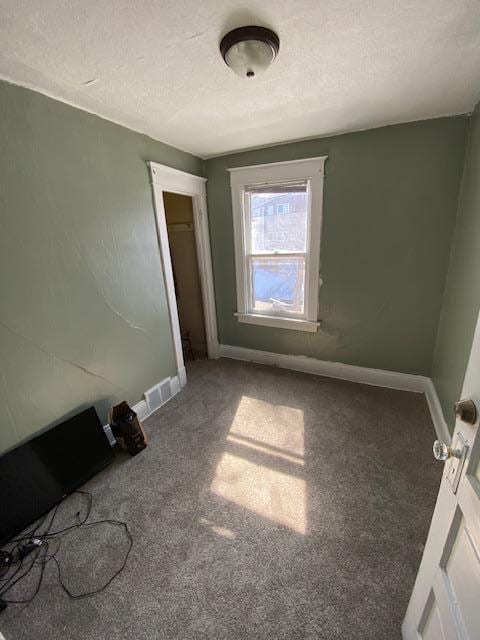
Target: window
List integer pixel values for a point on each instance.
(277, 210)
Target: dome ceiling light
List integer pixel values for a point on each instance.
(249, 51)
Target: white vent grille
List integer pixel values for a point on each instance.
(141, 409)
(154, 398)
(165, 390)
(158, 395)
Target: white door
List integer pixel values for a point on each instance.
(445, 602)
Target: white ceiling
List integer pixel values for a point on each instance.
(155, 67)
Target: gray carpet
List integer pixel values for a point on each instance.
(269, 504)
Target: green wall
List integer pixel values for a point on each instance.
(462, 291)
(389, 212)
(84, 320)
(83, 316)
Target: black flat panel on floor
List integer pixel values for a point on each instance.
(39, 473)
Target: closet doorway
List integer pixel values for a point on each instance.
(186, 276)
(174, 182)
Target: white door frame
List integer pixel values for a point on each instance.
(167, 179)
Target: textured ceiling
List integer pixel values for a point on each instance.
(155, 67)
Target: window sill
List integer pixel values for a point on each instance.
(296, 324)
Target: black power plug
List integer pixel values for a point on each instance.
(5, 561)
(25, 549)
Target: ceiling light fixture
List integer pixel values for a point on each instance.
(249, 51)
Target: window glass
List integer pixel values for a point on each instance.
(278, 218)
(277, 285)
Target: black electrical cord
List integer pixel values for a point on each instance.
(48, 533)
(42, 547)
(85, 594)
(39, 583)
(42, 537)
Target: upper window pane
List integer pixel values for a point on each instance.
(278, 218)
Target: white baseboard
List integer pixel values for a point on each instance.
(182, 377)
(339, 370)
(376, 377)
(352, 373)
(142, 408)
(436, 412)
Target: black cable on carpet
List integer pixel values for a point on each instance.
(32, 549)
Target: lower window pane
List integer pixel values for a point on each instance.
(278, 285)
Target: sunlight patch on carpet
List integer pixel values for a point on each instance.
(275, 432)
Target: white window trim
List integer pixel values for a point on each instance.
(311, 169)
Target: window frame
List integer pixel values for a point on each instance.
(311, 170)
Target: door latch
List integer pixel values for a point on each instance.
(454, 456)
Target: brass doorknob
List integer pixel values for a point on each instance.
(466, 411)
(442, 451)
